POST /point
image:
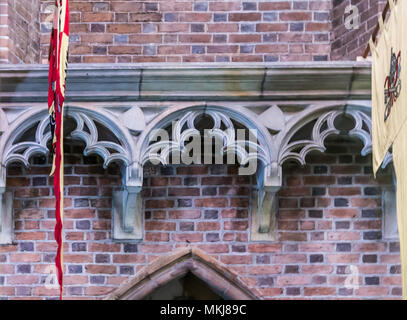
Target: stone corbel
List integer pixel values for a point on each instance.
(128, 209)
(6, 217)
(265, 204)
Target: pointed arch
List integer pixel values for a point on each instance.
(220, 115)
(322, 119)
(15, 147)
(188, 259)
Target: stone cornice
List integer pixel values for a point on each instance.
(192, 82)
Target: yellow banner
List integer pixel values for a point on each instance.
(389, 110)
(389, 82)
(399, 156)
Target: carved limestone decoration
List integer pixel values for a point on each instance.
(127, 214)
(109, 151)
(6, 218)
(280, 135)
(160, 151)
(16, 147)
(16, 151)
(223, 129)
(3, 122)
(297, 149)
(273, 118)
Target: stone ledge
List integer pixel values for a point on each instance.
(211, 82)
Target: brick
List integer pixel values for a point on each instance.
(117, 50)
(342, 213)
(343, 258)
(348, 191)
(264, 248)
(124, 28)
(271, 27)
(77, 258)
(272, 6)
(291, 214)
(157, 236)
(188, 237)
(208, 226)
(319, 291)
(180, 49)
(264, 270)
(183, 192)
(265, 282)
(223, 27)
(372, 291)
(245, 38)
(159, 181)
(104, 247)
(30, 235)
(195, 17)
(287, 225)
(293, 280)
(97, 17)
(222, 49)
(234, 213)
(235, 225)
(252, 16)
(211, 202)
(236, 259)
(158, 225)
(159, 204)
(290, 258)
(129, 258)
(363, 225)
(216, 181)
(122, 6)
(214, 248)
(155, 248)
(100, 269)
(317, 26)
(322, 180)
(25, 257)
(145, 17)
(98, 290)
(292, 236)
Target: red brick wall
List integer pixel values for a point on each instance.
(114, 31)
(24, 31)
(349, 44)
(197, 31)
(3, 31)
(329, 219)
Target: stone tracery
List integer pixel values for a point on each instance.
(301, 133)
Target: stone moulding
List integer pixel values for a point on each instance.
(224, 97)
(177, 264)
(193, 82)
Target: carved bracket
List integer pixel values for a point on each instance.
(128, 214)
(6, 219)
(265, 203)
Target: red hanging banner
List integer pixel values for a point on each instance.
(58, 59)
